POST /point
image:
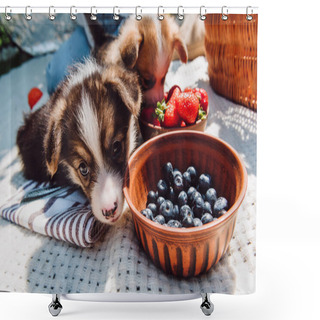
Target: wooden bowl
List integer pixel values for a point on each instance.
(148, 130)
(178, 251)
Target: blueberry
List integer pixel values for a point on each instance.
(211, 196)
(167, 172)
(163, 189)
(193, 196)
(197, 222)
(153, 208)
(152, 197)
(185, 211)
(205, 182)
(187, 221)
(193, 175)
(176, 172)
(159, 219)
(190, 191)
(207, 207)
(182, 198)
(166, 209)
(220, 213)
(171, 195)
(147, 213)
(220, 204)
(176, 212)
(186, 180)
(177, 184)
(174, 224)
(198, 206)
(159, 201)
(206, 218)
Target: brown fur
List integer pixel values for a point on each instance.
(49, 141)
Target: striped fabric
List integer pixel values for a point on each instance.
(62, 213)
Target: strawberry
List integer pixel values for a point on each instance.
(165, 97)
(156, 122)
(34, 96)
(188, 107)
(171, 116)
(203, 98)
(173, 93)
(147, 114)
(182, 124)
(188, 89)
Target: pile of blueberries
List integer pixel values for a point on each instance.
(184, 199)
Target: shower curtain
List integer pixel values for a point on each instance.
(52, 239)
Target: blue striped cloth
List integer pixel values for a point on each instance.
(62, 213)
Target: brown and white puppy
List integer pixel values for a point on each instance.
(84, 135)
(146, 46)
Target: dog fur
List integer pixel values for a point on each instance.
(84, 134)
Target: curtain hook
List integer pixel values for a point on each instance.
(180, 14)
(51, 15)
(73, 15)
(93, 16)
(160, 16)
(203, 12)
(138, 16)
(249, 16)
(115, 15)
(8, 17)
(224, 14)
(27, 15)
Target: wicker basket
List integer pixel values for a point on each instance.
(231, 51)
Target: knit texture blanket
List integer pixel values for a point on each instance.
(31, 262)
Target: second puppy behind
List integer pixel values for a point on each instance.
(146, 46)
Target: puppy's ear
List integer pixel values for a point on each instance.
(130, 42)
(181, 48)
(125, 84)
(53, 138)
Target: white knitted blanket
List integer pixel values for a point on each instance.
(30, 262)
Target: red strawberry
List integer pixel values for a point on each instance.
(183, 124)
(147, 114)
(173, 93)
(156, 122)
(188, 89)
(165, 97)
(34, 96)
(203, 98)
(171, 116)
(188, 107)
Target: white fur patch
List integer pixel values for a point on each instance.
(89, 128)
(106, 192)
(80, 71)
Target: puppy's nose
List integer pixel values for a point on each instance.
(109, 212)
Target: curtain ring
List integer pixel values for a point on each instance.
(249, 17)
(115, 15)
(160, 16)
(138, 16)
(72, 15)
(27, 15)
(93, 16)
(8, 17)
(180, 15)
(203, 14)
(224, 14)
(51, 15)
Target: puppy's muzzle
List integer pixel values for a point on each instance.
(111, 212)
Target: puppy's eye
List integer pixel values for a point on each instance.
(83, 168)
(147, 83)
(116, 149)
